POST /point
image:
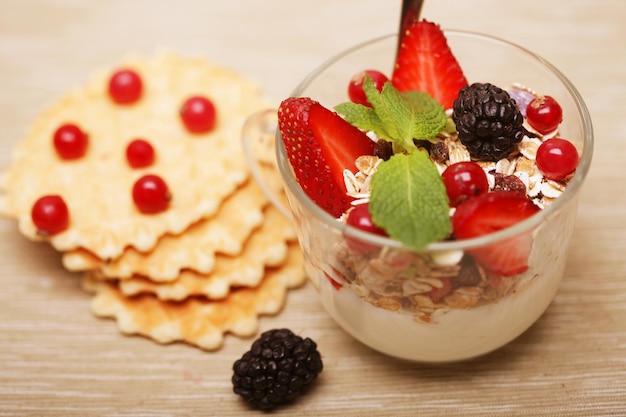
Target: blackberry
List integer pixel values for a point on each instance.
(278, 367)
(488, 121)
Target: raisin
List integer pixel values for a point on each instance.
(504, 182)
(439, 152)
(383, 149)
(423, 143)
(469, 274)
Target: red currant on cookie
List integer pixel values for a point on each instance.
(70, 141)
(464, 180)
(557, 158)
(355, 88)
(151, 194)
(544, 114)
(125, 86)
(198, 114)
(50, 215)
(139, 153)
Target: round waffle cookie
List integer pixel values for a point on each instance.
(200, 169)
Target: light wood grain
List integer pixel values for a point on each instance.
(58, 360)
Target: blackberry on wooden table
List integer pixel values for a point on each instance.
(279, 366)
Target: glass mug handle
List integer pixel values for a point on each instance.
(258, 139)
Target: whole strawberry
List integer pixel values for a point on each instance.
(320, 144)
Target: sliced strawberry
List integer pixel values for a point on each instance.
(426, 63)
(491, 212)
(320, 144)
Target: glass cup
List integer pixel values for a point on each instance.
(383, 296)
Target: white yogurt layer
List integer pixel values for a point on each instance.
(456, 334)
(453, 336)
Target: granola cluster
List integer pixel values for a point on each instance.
(399, 280)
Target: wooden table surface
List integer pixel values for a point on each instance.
(57, 359)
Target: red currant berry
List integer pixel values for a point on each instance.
(464, 180)
(557, 158)
(198, 114)
(70, 141)
(151, 195)
(544, 114)
(140, 153)
(125, 86)
(360, 218)
(50, 215)
(355, 88)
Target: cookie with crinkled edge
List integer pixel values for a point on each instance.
(201, 170)
(195, 249)
(266, 247)
(197, 320)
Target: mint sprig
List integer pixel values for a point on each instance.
(398, 117)
(408, 199)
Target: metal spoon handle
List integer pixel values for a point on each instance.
(410, 12)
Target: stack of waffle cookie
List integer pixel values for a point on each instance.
(219, 256)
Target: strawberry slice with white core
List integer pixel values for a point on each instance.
(320, 144)
(491, 212)
(425, 63)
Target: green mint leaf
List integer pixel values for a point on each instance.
(361, 116)
(428, 116)
(395, 116)
(394, 113)
(408, 199)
